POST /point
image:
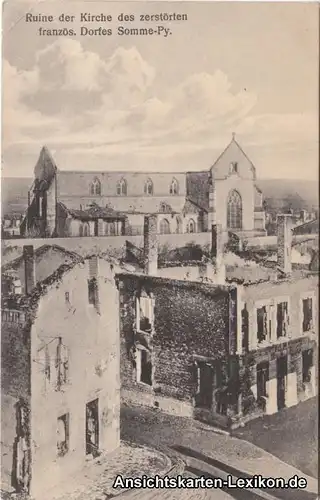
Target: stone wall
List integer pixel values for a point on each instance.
(89, 335)
(190, 319)
(296, 341)
(113, 245)
(15, 383)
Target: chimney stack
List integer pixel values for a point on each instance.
(284, 237)
(29, 269)
(217, 255)
(150, 245)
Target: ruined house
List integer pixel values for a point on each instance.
(220, 349)
(59, 371)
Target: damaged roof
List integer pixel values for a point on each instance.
(13, 265)
(93, 213)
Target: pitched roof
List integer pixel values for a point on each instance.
(11, 266)
(231, 143)
(198, 188)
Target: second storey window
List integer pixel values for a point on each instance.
(282, 319)
(263, 324)
(307, 320)
(122, 188)
(62, 364)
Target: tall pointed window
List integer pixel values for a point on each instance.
(122, 188)
(84, 229)
(95, 187)
(148, 187)
(174, 187)
(164, 226)
(234, 210)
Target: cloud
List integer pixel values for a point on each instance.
(18, 119)
(279, 129)
(75, 101)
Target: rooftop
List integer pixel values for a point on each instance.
(93, 213)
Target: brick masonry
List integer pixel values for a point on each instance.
(185, 316)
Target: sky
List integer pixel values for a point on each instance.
(166, 104)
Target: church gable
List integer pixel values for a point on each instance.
(233, 161)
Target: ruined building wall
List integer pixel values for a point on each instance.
(292, 346)
(89, 337)
(188, 321)
(15, 383)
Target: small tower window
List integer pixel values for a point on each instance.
(233, 167)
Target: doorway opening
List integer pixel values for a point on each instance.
(282, 372)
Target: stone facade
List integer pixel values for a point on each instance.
(189, 322)
(60, 375)
(59, 201)
(285, 336)
(205, 351)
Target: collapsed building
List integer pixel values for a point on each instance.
(213, 347)
(60, 378)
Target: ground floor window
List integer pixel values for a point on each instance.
(210, 391)
(205, 382)
(63, 435)
(282, 373)
(262, 379)
(144, 366)
(307, 322)
(92, 428)
(307, 363)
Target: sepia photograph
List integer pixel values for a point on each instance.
(159, 250)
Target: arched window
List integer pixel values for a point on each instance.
(164, 227)
(84, 229)
(109, 229)
(148, 187)
(165, 208)
(122, 187)
(95, 187)
(174, 187)
(191, 227)
(234, 210)
(179, 224)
